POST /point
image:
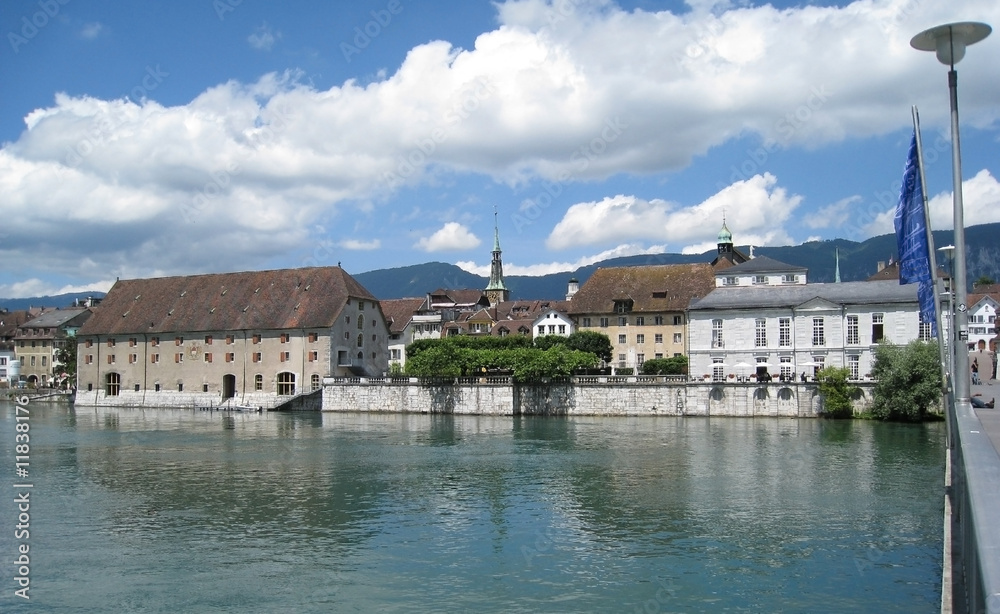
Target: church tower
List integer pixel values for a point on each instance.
(725, 240)
(496, 290)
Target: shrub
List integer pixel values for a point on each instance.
(836, 392)
(908, 381)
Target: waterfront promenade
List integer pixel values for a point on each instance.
(990, 417)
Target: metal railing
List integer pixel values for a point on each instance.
(975, 499)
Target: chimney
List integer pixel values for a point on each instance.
(572, 288)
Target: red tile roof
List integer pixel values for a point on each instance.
(268, 300)
(399, 311)
(667, 287)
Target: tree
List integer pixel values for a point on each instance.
(65, 363)
(594, 342)
(984, 280)
(908, 381)
(675, 365)
(836, 392)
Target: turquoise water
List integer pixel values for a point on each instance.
(188, 511)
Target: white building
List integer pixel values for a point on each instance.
(552, 322)
(795, 329)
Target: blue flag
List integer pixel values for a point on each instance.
(911, 239)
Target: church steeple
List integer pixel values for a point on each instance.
(725, 238)
(496, 290)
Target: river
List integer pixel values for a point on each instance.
(155, 510)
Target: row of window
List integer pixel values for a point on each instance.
(22, 343)
(657, 338)
(312, 356)
(552, 329)
(760, 280)
(785, 366)
(209, 339)
(818, 331)
(640, 358)
(624, 321)
(285, 384)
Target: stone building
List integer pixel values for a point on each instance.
(787, 330)
(39, 339)
(642, 309)
(251, 338)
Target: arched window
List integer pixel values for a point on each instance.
(361, 340)
(113, 384)
(286, 383)
(314, 381)
(361, 321)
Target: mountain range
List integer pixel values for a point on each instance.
(858, 261)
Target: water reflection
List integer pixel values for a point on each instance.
(442, 512)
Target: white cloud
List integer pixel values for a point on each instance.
(833, 215)
(980, 200)
(90, 31)
(451, 237)
(756, 206)
(36, 287)
(263, 37)
(628, 249)
(142, 188)
(355, 244)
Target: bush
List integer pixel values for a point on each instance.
(836, 392)
(479, 355)
(675, 365)
(908, 381)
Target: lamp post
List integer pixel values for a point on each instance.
(949, 254)
(949, 42)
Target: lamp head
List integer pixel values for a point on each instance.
(950, 40)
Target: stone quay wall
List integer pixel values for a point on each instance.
(579, 396)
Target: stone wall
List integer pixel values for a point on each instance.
(629, 397)
(174, 399)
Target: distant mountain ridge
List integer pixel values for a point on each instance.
(858, 261)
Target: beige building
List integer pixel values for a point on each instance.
(249, 338)
(39, 340)
(642, 309)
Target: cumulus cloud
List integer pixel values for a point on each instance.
(355, 244)
(451, 237)
(263, 37)
(141, 188)
(627, 249)
(980, 199)
(833, 215)
(756, 206)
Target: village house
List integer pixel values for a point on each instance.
(251, 338)
(642, 309)
(38, 341)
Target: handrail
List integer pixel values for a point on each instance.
(975, 478)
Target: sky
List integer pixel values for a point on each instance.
(146, 138)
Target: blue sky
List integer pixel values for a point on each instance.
(159, 138)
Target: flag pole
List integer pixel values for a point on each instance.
(930, 248)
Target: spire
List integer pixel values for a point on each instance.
(836, 272)
(496, 290)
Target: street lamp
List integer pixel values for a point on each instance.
(949, 42)
(949, 254)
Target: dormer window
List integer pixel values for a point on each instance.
(760, 280)
(731, 281)
(623, 306)
(790, 278)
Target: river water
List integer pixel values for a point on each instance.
(156, 510)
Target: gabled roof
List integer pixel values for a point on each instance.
(891, 271)
(666, 287)
(513, 327)
(252, 300)
(458, 298)
(55, 318)
(846, 293)
(762, 264)
(399, 311)
(10, 321)
(514, 310)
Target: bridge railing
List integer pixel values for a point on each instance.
(975, 496)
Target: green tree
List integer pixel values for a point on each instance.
(66, 361)
(836, 392)
(594, 342)
(984, 280)
(908, 381)
(675, 365)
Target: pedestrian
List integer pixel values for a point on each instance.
(975, 372)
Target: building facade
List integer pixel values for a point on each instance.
(39, 340)
(642, 309)
(793, 331)
(249, 338)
